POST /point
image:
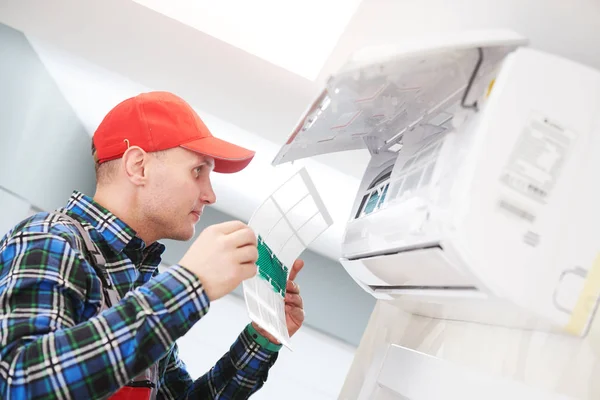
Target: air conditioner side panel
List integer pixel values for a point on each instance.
(533, 218)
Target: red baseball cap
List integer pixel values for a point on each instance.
(158, 121)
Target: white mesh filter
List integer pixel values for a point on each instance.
(287, 221)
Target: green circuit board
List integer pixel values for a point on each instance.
(270, 268)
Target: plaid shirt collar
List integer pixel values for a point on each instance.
(119, 236)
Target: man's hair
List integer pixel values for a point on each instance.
(106, 171)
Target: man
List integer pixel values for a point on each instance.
(84, 313)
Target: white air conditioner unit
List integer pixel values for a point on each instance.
(481, 199)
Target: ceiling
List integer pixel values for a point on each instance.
(251, 76)
(299, 38)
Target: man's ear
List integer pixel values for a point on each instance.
(135, 162)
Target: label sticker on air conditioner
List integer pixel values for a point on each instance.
(538, 158)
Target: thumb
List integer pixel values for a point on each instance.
(298, 265)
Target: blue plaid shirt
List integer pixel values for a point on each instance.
(55, 342)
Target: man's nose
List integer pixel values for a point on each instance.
(208, 195)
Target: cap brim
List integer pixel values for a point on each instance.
(229, 158)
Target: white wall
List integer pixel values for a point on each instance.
(315, 370)
(44, 149)
(13, 209)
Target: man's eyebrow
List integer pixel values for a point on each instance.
(206, 160)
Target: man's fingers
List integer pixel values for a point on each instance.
(298, 265)
(295, 313)
(242, 237)
(294, 300)
(246, 255)
(248, 270)
(292, 287)
(230, 227)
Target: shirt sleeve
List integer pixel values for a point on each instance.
(242, 371)
(49, 348)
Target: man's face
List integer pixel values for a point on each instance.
(178, 189)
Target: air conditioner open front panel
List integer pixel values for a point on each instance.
(372, 103)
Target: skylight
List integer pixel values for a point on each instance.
(296, 35)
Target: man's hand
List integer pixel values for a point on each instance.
(222, 257)
(294, 307)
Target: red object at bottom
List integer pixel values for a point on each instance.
(132, 393)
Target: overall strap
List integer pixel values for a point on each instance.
(111, 297)
(144, 385)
